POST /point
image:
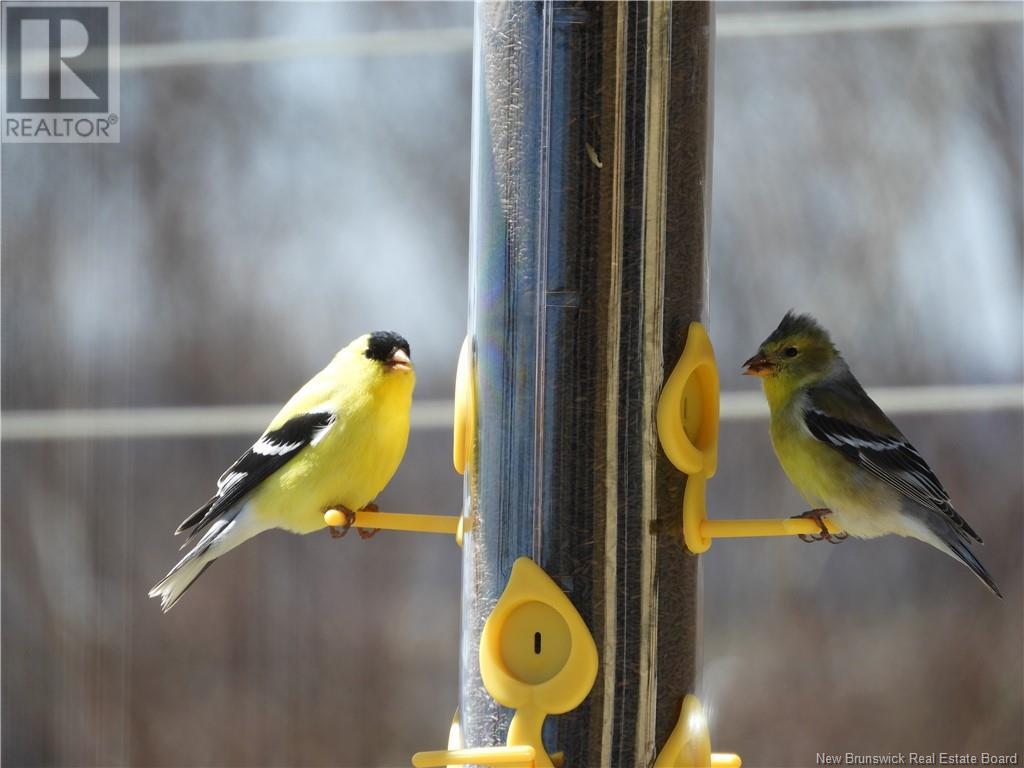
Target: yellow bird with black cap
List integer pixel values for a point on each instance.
(335, 444)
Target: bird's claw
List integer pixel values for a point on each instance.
(368, 533)
(816, 515)
(339, 531)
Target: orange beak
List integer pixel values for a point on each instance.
(758, 365)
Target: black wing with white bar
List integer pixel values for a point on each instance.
(890, 458)
(273, 450)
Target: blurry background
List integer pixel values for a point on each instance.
(258, 214)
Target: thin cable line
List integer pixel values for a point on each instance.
(215, 421)
(878, 17)
(414, 42)
(372, 44)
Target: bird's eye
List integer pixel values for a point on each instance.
(791, 351)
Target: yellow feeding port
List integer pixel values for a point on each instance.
(688, 407)
(536, 655)
(465, 409)
(535, 643)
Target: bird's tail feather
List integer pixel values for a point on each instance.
(224, 534)
(182, 576)
(958, 549)
(195, 518)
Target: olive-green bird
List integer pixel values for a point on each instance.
(844, 455)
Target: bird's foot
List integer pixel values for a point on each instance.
(368, 533)
(339, 531)
(816, 515)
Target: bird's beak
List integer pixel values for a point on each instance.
(758, 365)
(399, 361)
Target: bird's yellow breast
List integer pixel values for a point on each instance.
(822, 475)
(350, 465)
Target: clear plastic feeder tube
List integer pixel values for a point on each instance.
(591, 171)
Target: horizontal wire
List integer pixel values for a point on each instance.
(407, 42)
(213, 421)
(878, 17)
(412, 42)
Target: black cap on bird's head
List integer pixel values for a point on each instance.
(390, 349)
(797, 346)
